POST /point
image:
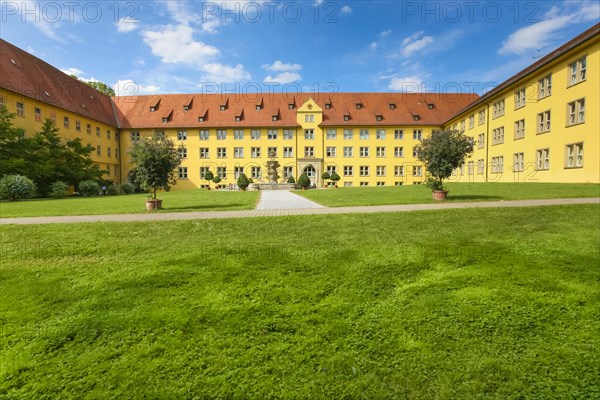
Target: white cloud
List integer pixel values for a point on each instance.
(283, 78)
(385, 34)
(180, 12)
(30, 50)
(279, 66)
(128, 87)
(72, 71)
(410, 84)
(346, 10)
(543, 33)
(414, 43)
(373, 45)
(127, 24)
(175, 44)
(219, 73)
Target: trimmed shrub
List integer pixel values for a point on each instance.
(335, 177)
(304, 181)
(127, 188)
(112, 190)
(216, 180)
(58, 189)
(325, 176)
(89, 188)
(291, 180)
(243, 182)
(16, 187)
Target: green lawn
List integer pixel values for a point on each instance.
(454, 304)
(174, 201)
(414, 194)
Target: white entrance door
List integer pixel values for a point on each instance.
(312, 173)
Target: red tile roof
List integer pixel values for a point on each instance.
(25, 74)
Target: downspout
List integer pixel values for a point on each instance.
(487, 141)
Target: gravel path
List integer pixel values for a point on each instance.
(291, 211)
(284, 200)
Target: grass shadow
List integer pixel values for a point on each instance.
(208, 207)
(474, 197)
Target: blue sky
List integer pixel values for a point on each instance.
(247, 46)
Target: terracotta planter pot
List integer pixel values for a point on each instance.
(440, 195)
(152, 205)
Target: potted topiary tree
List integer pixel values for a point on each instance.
(335, 178)
(243, 182)
(208, 176)
(442, 153)
(155, 160)
(216, 180)
(325, 176)
(291, 180)
(304, 181)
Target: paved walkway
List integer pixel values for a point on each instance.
(283, 200)
(303, 211)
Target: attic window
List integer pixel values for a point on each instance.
(392, 106)
(291, 106)
(358, 106)
(379, 117)
(152, 109)
(430, 106)
(186, 108)
(416, 117)
(327, 106)
(200, 119)
(165, 120)
(275, 118)
(223, 107)
(346, 118)
(238, 118)
(258, 107)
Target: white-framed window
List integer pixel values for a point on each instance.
(238, 134)
(255, 134)
(518, 162)
(238, 152)
(471, 168)
(542, 159)
(272, 151)
(309, 151)
(203, 134)
(78, 125)
(288, 134)
(331, 134)
(415, 151)
(66, 122)
(237, 171)
(288, 152)
(497, 164)
(462, 125)
(309, 134)
(543, 120)
(203, 171)
(380, 134)
(398, 152)
(98, 131)
(255, 152)
(364, 151)
(398, 134)
(134, 135)
(364, 184)
(348, 151)
(498, 135)
(309, 118)
(576, 112)
(20, 109)
(364, 134)
(574, 156)
(348, 134)
(272, 134)
(472, 121)
(256, 172)
(481, 117)
(109, 152)
(399, 170)
(348, 184)
(348, 170)
(182, 152)
(88, 129)
(480, 166)
(380, 151)
(108, 134)
(99, 150)
(221, 152)
(417, 170)
(498, 109)
(380, 170)
(181, 135)
(520, 129)
(222, 172)
(578, 71)
(288, 171)
(330, 151)
(520, 98)
(380, 184)
(221, 134)
(363, 170)
(481, 141)
(545, 87)
(331, 169)
(183, 173)
(417, 134)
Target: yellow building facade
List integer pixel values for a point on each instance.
(541, 125)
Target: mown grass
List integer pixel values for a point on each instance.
(415, 194)
(455, 304)
(174, 201)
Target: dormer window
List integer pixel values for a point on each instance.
(223, 108)
(258, 107)
(416, 117)
(392, 106)
(358, 106)
(200, 119)
(327, 106)
(238, 118)
(430, 106)
(186, 108)
(152, 109)
(379, 117)
(165, 120)
(291, 106)
(275, 118)
(346, 118)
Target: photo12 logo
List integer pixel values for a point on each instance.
(67, 12)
